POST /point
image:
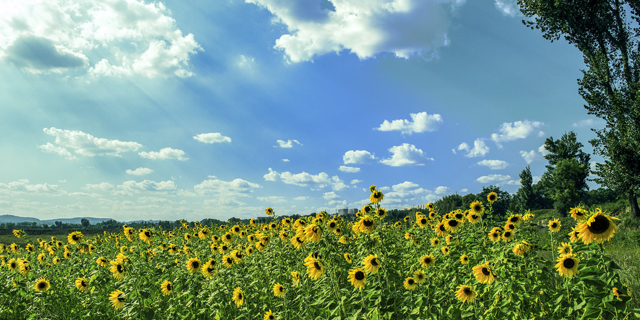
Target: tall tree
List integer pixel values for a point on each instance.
(524, 195)
(568, 171)
(610, 86)
(85, 222)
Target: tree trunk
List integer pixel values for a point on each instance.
(633, 202)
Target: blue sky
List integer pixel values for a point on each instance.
(150, 110)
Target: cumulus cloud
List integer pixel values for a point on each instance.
(357, 156)
(355, 181)
(479, 148)
(529, 156)
(286, 144)
(304, 179)
(464, 190)
(139, 172)
(442, 190)
(102, 186)
(330, 195)
(365, 28)
(349, 169)
(508, 7)
(24, 186)
(101, 38)
(147, 185)
(510, 131)
(164, 153)
(85, 144)
(493, 164)
(494, 178)
(236, 187)
(211, 138)
(406, 155)
(543, 150)
(420, 122)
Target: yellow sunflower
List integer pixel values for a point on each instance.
(117, 299)
(376, 196)
(477, 208)
(410, 283)
(166, 287)
(371, 264)
(315, 269)
(564, 248)
(227, 261)
(445, 250)
(435, 242)
(238, 296)
(357, 278)
(554, 225)
(268, 211)
(567, 265)
(117, 269)
(492, 197)
(483, 274)
(209, 268)
(312, 233)
(599, 228)
(41, 285)
(574, 235)
(193, 265)
(507, 236)
(579, 214)
(466, 294)
(452, 225)
(278, 290)
(82, 284)
(270, 316)
(441, 230)
(347, 257)
(295, 278)
(75, 237)
(427, 261)
(419, 276)
(422, 221)
(464, 259)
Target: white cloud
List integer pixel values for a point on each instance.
(85, 144)
(236, 187)
(420, 122)
(139, 171)
(285, 160)
(405, 28)
(515, 182)
(102, 186)
(147, 185)
(355, 181)
(305, 179)
(493, 164)
(510, 131)
(330, 195)
(442, 190)
(301, 198)
(493, 178)
(357, 156)
(349, 169)
(406, 155)
(536, 179)
(246, 62)
(99, 37)
(286, 144)
(23, 186)
(543, 150)
(272, 199)
(464, 190)
(508, 7)
(164, 153)
(479, 148)
(61, 151)
(583, 123)
(337, 203)
(211, 138)
(529, 156)
(225, 202)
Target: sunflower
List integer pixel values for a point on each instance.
(25, 267)
(554, 225)
(567, 265)
(18, 233)
(117, 299)
(224, 249)
(343, 240)
(42, 258)
(515, 219)
(510, 226)
(67, 254)
(427, 261)
(347, 257)
(227, 261)
(410, 283)
(268, 211)
(55, 260)
(117, 269)
(338, 231)
(82, 284)
(357, 278)
(441, 230)
(41, 285)
(494, 235)
(483, 274)
(521, 248)
(315, 269)
(435, 242)
(473, 218)
(270, 316)
(249, 250)
(422, 221)
(419, 276)
(372, 188)
(599, 228)
(238, 295)
(12, 264)
(507, 236)
(430, 207)
(166, 287)
(574, 235)
(564, 248)
(617, 293)
(371, 264)
(366, 224)
(464, 259)
(312, 233)
(452, 225)
(445, 250)
(209, 268)
(295, 278)
(278, 290)
(75, 237)
(579, 214)
(492, 197)
(477, 208)
(466, 294)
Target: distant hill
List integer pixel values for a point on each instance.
(7, 218)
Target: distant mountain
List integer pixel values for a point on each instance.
(7, 218)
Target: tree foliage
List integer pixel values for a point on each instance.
(524, 195)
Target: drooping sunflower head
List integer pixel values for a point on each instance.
(599, 228)
(238, 297)
(372, 188)
(445, 250)
(579, 214)
(166, 287)
(347, 257)
(227, 261)
(483, 274)
(492, 197)
(574, 235)
(295, 278)
(515, 219)
(465, 294)
(372, 264)
(42, 285)
(430, 207)
(315, 269)
(117, 299)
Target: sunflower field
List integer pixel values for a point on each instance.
(465, 264)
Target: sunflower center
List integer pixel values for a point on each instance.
(453, 223)
(599, 225)
(368, 223)
(554, 225)
(239, 296)
(427, 260)
(476, 208)
(42, 285)
(423, 221)
(374, 262)
(119, 268)
(83, 283)
(317, 265)
(485, 271)
(458, 215)
(74, 237)
(514, 219)
(467, 291)
(568, 263)
(169, 286)
(507, 234)
(195, 264)
(411, 281)
(121, 298)
(441, 227)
